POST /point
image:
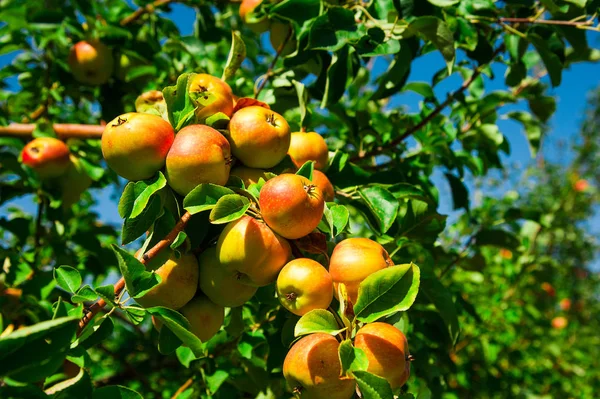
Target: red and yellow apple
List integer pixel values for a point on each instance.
(309, 146)
(304, 285)
(581, 185)
(259, 137)
(199, 154)
(257, 24)
(291, 205)
(152, 102)
(135, 145)
(205, 317)
(312, 369)
(91, 62)
(249, 175)
(353, 260)
(565, 304)
(559, 322)
(320, 180)
(211, 95)
(548, 288)
(281, 31)
(47, 156)
(73, 183)
(255, 254)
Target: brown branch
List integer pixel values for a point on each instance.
(134, 16)
(182, 388)
(269, 73)
(120, 285)
(62, 130)
(428, 118)
(545, 21)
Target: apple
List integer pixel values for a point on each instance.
(200, 154)
(152, 102)
(581, 185)
(320, 180)
(221, 285)
(312, 369)
(548, 288)
(565, 304)
(179, 281)
(386, 348)
(135, 145)
(291, 205)
(249, 175)
(256, 24)
(259, 137)
(306, 147)
(211, 95)
(304, 285)
(47, 156)
(353, 260)
(73, 182)
(280, 31)
(248, 248)
(91, 62)
(205, 317)
(559, 323)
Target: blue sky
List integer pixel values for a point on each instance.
(571, 97)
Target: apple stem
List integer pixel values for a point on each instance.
(291, 296)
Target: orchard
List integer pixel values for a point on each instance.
(281, 232)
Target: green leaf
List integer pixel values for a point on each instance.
(460, 195)
(421, 88)
(68, 278)
(297, 10)
(533, 129)
(441, 298)
(137, 280)
(237, 54)
(115, 392)
(100, 330)
(497, 238)
(436, 31)
(79, 386)
(135, 227)
(303, 101)
(372, 386)
(317, 320)
(143, 191)
(492, 132)
(387, 291)
(334, 29)
(168, 341)
(84, 294)
(340, 217)
(107, 292)
(185, 356)
(204, 197)
(180, 326)
(551, 61)
(382, 204)
(215, 381)
(337, 77)
(395, 77)
(139, 71)
(135, 314)
(352, 359)
(180, 105)
(421, 221)
(306, 170)
(443, 3)
(230, 207)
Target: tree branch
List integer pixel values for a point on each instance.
(545, 21)
(182, 388)
(269, 73)
(62, 130)
(428, 118)
(152, 252)
(134, 16)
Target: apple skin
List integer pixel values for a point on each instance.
(304, 285)
(353, 260)
(581, 185)
(386, 348)
(248, 248)
(73, 183)
(565, 304)
(47, 156)
(306, 147)
(312, 369)
(91, 62)
(321, 181)
(215, 89)
(135, 145)
(279, 32)
(179, 282)
(246, 9)
(291, 205)
(559, 323)
(205, 317)
(259, 137)
(152, 102)
(249, 175)
(199, 154)
(220, 285)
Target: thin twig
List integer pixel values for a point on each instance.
(428, 118)
(134, 16)
(589, 22)
(62, 130)
(269, 73)
(38, 221)
(152, 252)
(182, 388)
(460, 255)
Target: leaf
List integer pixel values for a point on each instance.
(421, 88)
(340, 218)
(185, 356)
(352, 359)
(230, 207)
(306, 170)
(168, 341)
(436, 31)
(441, 298)
(135, 227)
(551, 61)
(337, 77)
(443, 3)
(115, 392)
(237, 54)
(297, 10)
(303, 101)
(497, 238)
(137, 280)
(107, 292)
(204, 197)
(180, 105)
(395, 77)
(533, 129)
(84, 294)
(68, 278)
(98, 333)
(135, 314)
(79, 386)
(387, 291)
(382, 204)
(372, 386)
(180, 326)
(317, 320)
(143, 191)
(460, 195)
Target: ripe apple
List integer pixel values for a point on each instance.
(581, 185)
(565, 304)
(91, 62)
(559, 322)
(221, 285)
(548, 288)
(135, 145)
(387, 350)
(199, 154)
(73, 182)
(291, 205)
(304, 285)
(256, 24)
(259, 137)
(312, 369)
(248, 248)
(205, 317)
(321, 181)
(249, 175)
(211, 95)
(47, 156)
(152, 102)
(179, 281)
(279, 33)
(306, 147)
(353, 260)
(506, 253)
